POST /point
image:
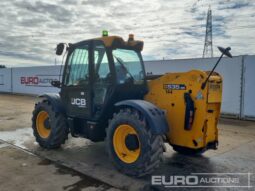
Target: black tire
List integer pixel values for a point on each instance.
(151, 146)
(58, 126)
(188, 151)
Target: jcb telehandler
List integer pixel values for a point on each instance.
(105, 95)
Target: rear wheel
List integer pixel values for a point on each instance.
(50, 128)
(131, 145)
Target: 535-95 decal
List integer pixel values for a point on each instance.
(170, 87)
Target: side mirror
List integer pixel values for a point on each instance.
(225, 51)
(60, 49)
(56, 83)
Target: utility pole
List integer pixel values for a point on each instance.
(208, 46)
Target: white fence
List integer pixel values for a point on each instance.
(34, 80)
(248, 104)
(238, 83)
(5, 80)
(230, 69)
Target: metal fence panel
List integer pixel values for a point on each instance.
(35, 80)
(230, 69)
(249, 88)
(5, 80)
(237, 101)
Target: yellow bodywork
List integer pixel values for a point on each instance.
(207, 103)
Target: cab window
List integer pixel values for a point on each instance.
(78, 67)
(128, 66)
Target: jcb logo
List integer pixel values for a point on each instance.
(80, 102)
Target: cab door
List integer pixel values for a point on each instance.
(76, 90)
(103, 78)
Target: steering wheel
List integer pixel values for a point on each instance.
(225, 51)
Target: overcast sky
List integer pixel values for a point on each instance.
(171, 29)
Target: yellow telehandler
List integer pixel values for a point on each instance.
(106, 95)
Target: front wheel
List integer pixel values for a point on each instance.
(131, 145)
(50, 127)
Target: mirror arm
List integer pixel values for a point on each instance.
(205, 82)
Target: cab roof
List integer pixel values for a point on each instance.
(118, 42)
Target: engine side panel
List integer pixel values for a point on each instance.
(167, 92)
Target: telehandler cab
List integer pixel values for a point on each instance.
(106, 95)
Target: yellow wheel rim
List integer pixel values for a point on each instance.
(42, 130)
(119, 137)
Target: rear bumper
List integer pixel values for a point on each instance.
(191, 151)
(212, 145)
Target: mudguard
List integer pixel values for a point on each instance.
(55, 101)
(154, 116)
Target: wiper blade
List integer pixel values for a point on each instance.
(122, 64)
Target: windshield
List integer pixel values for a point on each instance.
(128, 66)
